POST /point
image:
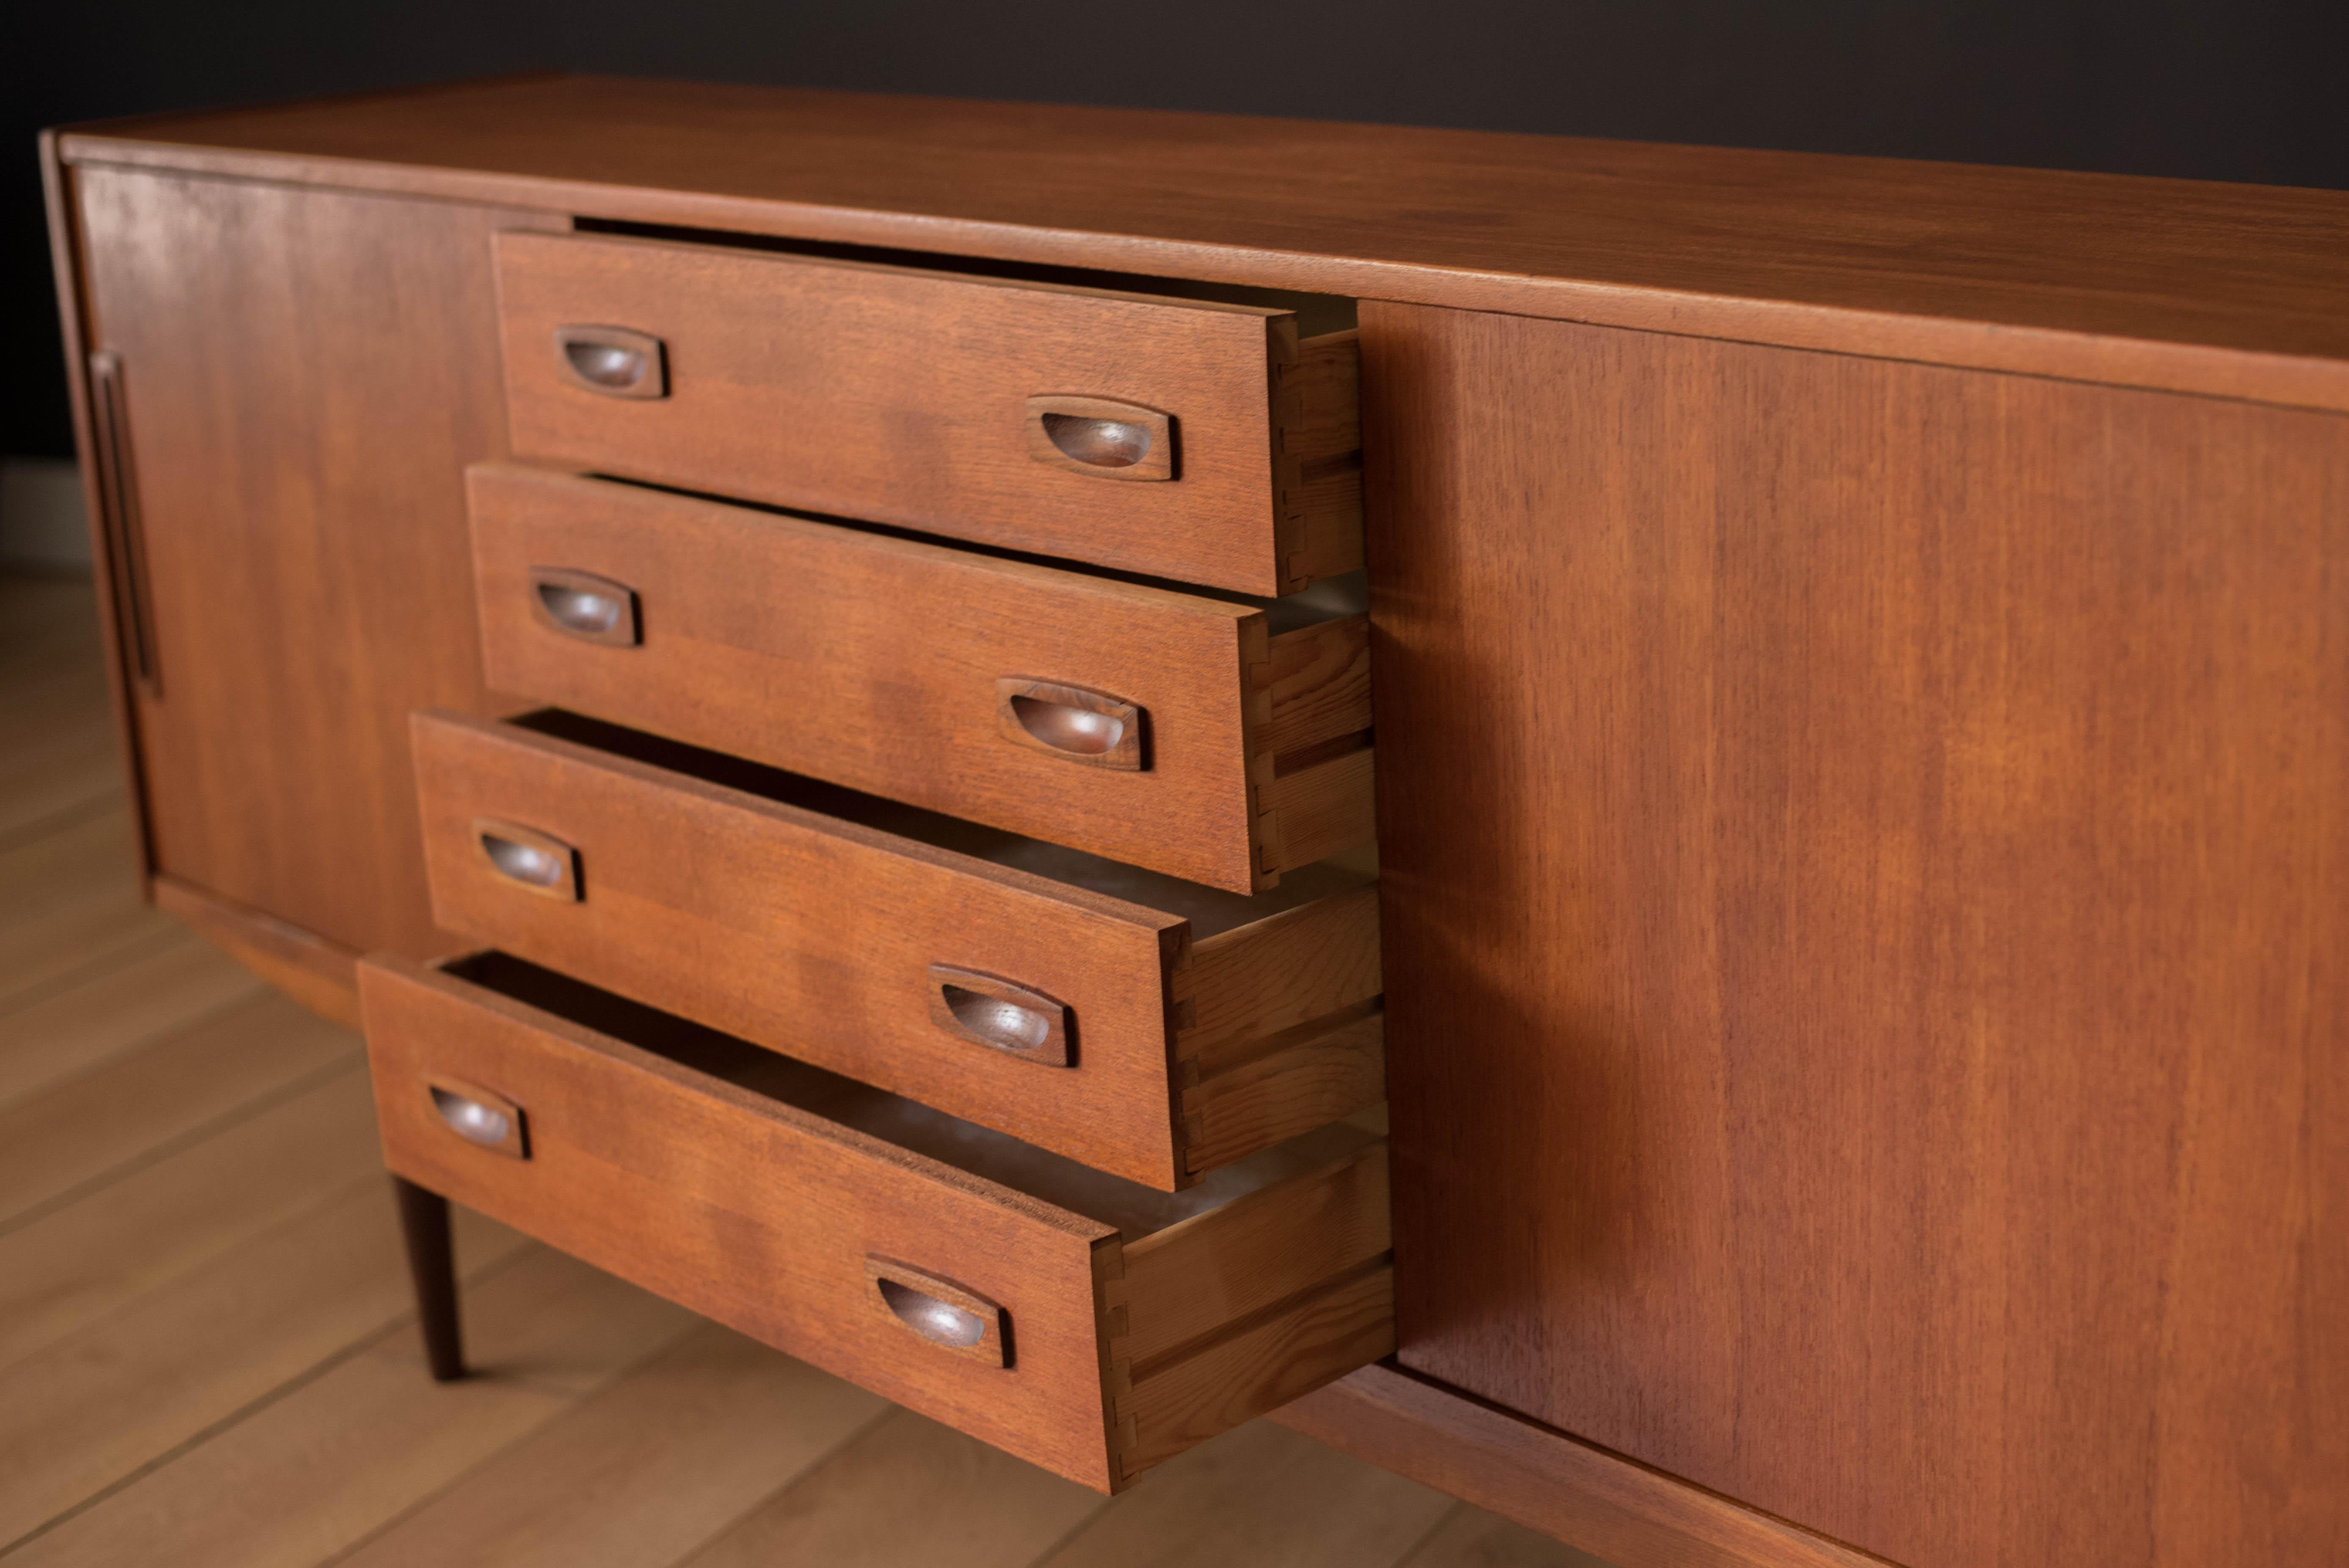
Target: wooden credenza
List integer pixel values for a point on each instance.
(810, 659)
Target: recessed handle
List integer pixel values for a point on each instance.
(1070, 722)
(942, 1311)
(116, 506)
(584, 606)
(529, 858)
(991, 1011)
(1100, 436)
(613, 361)
(479, 1116)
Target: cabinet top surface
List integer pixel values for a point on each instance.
(2230, 290)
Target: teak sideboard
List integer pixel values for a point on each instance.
(1657, 833)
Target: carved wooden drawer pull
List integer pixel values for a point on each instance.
(543, 864)
(1000, 1016)
(1100, 436)
(480, 1117)
(613, 361)
(1070, 722)
(941, 1311)
(582, 604)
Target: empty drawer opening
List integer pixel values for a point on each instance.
(1316, 313)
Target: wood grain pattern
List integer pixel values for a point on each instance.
(2230, 289)
(172, 977)
(307, 374)
(642, 1472)
(1868, 1039)
(907, 1491)
(1259, 1366)
(1317, 812)
(75, 1264)
(807, 933)
(1238, 1309)
(1249, 983)
(74, 905)
(765, 1213)
(873, 661)
(371, 1437)
(63, 760)
(1254, 1253)
(1633, 1516)
(172, 1252)
(901, 395)
(321, 975)
(57, 189)
(108, 1400)
(1258, 1494)
(748, 1211)
(1886, 817)
(217, 1067)
(1312, 688)
(1470, 1538)
(1282, 1085)
(816, 935)
(1317, 453)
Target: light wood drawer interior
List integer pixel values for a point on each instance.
(945, 402)
(1152, 1027)
(1084, 1322)
(1221, 741)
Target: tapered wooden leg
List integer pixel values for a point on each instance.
(432, 1264)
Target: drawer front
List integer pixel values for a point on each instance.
(1096, 1349)
(944, 403)
(808, 934)
(745, 1210)
(928, 675)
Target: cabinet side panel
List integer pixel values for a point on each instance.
(57, 185)
(305, 375)
(1863, 857)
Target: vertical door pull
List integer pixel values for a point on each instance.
(116, 502)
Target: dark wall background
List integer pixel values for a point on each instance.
(2220, 90)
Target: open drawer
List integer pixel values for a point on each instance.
(1223, 742)
(1145, 1025)
(1180, 438)
(1083, 1323)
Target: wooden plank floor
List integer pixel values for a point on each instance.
(206, 1353)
